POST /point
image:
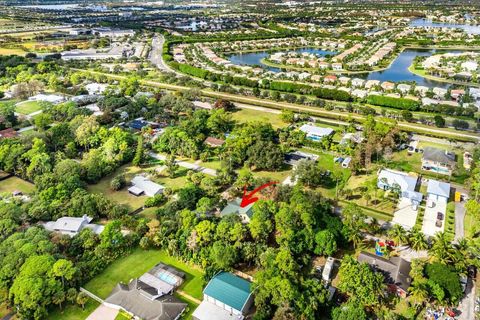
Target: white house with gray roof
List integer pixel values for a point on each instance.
(141, 185)
(406, 184)
(316, 133)
(72, 225)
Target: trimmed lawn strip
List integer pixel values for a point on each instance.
(28, 107)
(12, 184)
(190, 309)
(74, 311)
(251, 115)
(137, 263)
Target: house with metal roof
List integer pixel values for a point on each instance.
(438, 161)
(233, 207)
(226, 297)
(72, 225)
(390, 179)
(141, 185)
(316, 133)
(438, 191)
(150, 296)
(395, 270)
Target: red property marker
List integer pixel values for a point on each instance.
(249, 198)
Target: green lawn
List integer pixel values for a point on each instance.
(139, 262)
(73, 312)
(28, 107)
(122, 316)
(11, 184)
(249, 115)
(277, 176)
(121, 196)
(191, 307)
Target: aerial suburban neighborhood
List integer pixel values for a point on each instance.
(239, 160)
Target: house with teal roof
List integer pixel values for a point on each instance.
(226, 297)
(233, 207)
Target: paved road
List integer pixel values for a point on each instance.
(467, 304)
(321, 113)
(188, 165)
(156, 54)
(459, 220)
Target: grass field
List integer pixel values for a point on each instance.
(73, 312)
(12, 184)
(11, 51)
(139, 262)
(249, 115)
(28, 107)
(191, 307)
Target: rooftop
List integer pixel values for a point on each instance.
(229, 289)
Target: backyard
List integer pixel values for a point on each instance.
(137, 263)
(13, 184)
(73, 311)
(28, 107)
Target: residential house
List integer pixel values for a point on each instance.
(358, 83)
(470, 66)
(404, 88)
(150, 296)
(395, 270)
(387, 86)
(438, 160)
(316, 133)
(356, 137)
(422, 90)
(371, 84)
(52, 98)
(330, 78)
(293, 158)
(226, 297)
(359, 93)
(438, 191)
(440, 93)
(406, 185)
(233, 207)
(457, 94)
(71, 226)
(344, 80)
(141, 185)
(8, 133)
(214, 142)
(337, 66)
(96, 88)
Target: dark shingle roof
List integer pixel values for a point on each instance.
(396, 270)
(438, 155)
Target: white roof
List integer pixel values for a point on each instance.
(71, 223)
(316, 131)
(161, 286)
(149, 187)
(438, 188)
(208, 311)
(53, 98)
(406, 182)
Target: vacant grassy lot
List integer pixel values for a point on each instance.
(28, 107)
(249, 115)
(14, 183)
(11, 51)
(73, 312)
(139, 262)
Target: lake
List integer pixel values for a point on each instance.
(255, 58)
(470, 29)
(398, 70)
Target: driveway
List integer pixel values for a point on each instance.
(430, 218)
(467, 304)
(188, 165)
(405, 215)
(103, 313)
(459, 220)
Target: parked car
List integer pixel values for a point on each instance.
(439, 216)
(438, 224)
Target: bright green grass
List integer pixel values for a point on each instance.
(249, 115)
(122, 316)
(137, 263)
(74, 312)
(11, 184)
(190, 309)
(28, 107)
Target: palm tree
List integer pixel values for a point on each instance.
(397, 234)
(356, 237)
(417, 240)
(442, 249)
(418, 292)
